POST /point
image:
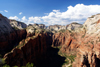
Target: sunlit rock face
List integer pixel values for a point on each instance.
(37, 26)
(51, 27)
(73, 26)
(88, 54)
(56, 27)
(85, 42)
(68, 40)
(92, 24)
(17, 24)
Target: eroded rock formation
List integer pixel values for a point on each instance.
(88, 54)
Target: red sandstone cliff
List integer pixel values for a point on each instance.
(68, 40)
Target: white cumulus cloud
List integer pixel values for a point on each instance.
(78, 13)
(24, 18)
(35, 19)
(5, 10)
(14, 18)
(20, 13)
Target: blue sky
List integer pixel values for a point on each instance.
(49, 12)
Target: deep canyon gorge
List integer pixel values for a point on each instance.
(45, 47)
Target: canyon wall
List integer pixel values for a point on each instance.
(68, 40)
(88, 53)
(8, 41)
(84, 42)
(34, 50)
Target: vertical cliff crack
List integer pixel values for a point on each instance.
(70, 42)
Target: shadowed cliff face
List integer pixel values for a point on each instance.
(8, 41)
(37, 50)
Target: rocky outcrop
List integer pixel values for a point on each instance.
(92, 24)
(51, 28)
(56, 27)
(74, 26)
(34, 50)
(31, 30)
(37, 26)
(17, 24)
